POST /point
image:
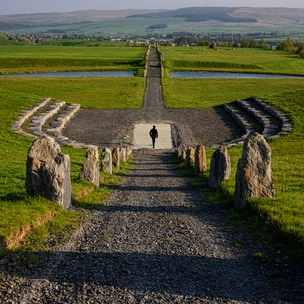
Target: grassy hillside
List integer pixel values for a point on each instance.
(136, 22)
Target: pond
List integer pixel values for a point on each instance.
(187, 74)
(78, 74)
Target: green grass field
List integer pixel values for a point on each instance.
(28, 59)
(237, 60)
(284, 214)
(18, 211)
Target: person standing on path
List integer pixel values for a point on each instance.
(154, 134)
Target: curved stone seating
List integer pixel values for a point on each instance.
(286, 125)
(270, 131)
(39, 121)
(262, 116)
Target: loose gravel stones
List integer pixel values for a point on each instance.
(157, 240)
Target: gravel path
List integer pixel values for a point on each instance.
(156, 241)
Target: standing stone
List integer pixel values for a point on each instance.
(116, 158)
(190, 157)
(123, 154)
(180, 151)
(220, 167)
(200, 160)
(48, 172)
(129, 151)
(106, 160)
(90, 169)
(254, 175)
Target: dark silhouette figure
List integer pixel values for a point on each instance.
(154, 134)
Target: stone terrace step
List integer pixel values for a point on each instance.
(38, 121)
(262, 116)
(274, 122)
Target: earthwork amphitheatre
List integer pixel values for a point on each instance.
(90, 212)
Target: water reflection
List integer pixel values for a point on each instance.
(228, 75)
(78, 74)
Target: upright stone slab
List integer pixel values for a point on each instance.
(200, 160)
(254, 175)
(129, 151)
(181, 152)
(106, 160)
(220, 167)
(190, 157)
(90, 169)
(48, 172)
(123, 154)
(116, 158)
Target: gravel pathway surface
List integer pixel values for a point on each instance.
(156, 241)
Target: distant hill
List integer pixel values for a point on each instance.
(125, 22)
(198, 14)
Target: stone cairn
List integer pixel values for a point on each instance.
(90, 170)
(48, 172)
(220, 167)
(254, 175)
(200, 162)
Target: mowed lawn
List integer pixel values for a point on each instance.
(284, 214)
(18, 212)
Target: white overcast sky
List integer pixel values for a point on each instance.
(41, 6)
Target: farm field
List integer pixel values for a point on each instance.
(18, 211)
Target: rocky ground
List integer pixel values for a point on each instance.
(157, 240)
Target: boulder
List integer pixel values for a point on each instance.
(220, 167)
(106, 160)
(48, 172)
(190, 157)
(90, 169)
(254, 175)
(116, 158)
(200, 160)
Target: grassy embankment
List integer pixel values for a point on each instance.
(284, 214)
(38, 218)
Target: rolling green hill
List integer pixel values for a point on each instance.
(139, 22)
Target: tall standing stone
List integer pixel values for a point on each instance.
(181, 152)
(90, 169)
(220, 167)
(123, 154)
(48, 172)
(200, 164)
(190, 157)
(106, 160)
(254, 175)
(116, 158)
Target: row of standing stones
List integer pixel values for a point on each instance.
(48, 170)
(254, 177)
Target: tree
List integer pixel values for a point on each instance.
(244, 43)
(252, 43)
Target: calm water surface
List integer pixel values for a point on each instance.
(227, 75)
(78, 74)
